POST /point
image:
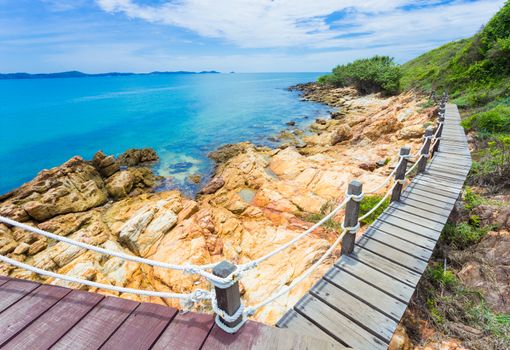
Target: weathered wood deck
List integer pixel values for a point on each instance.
(35, 316)
(361, 299)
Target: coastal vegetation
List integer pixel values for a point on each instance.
(368, 75)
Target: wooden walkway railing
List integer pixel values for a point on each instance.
(361, 299)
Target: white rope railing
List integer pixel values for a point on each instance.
(188, 268)
(252, 309)
(381, 201)
(255, 262)
(199, 294)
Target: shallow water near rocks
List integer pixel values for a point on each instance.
(45, 122)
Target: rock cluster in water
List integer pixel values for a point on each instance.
(258, 199)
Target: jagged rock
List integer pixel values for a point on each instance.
(368, 166)
(22, 248)
(410, 132)
(291, 123)
(224, 153)
(213, 186)
(136, 156)
(145, 228)
(343, 133)
(338, 114)
(106, 165)
(72, 187)
(380, 163)
(38, 246)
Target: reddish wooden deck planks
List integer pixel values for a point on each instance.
(35, 316)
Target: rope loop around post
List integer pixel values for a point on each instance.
(355, 197)
(351, 229)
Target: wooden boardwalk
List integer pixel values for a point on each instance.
(361, 299)
(35, 316)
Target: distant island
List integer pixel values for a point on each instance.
(77, 74)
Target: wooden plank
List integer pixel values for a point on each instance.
(13, 290)
(370, 295)
(386, 266)
(373, 277)
(26, 310)
(411, 202)
(449, 170)
(187, 331)
(404, 234)
(445, 162)
(429, 218)
(393, 215)
(401, 208)
(397, 256)
(361, 313)
(430, 194)
(258, 336)
(337, 324)
(424, 181)
(419, 227)
(55, 322)
(142, 328)
(435, 189)
(97, 326)
(397, 243)
(431, 201)
(301, 325)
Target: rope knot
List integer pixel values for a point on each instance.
(355, 197)
(351, 229)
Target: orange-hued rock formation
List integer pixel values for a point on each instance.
(258, 199)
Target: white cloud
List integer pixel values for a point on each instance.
(295, 23)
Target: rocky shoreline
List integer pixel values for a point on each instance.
(258, 199)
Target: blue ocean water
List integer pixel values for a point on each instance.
(45, 122)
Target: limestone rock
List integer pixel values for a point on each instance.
(343, 133)
(224, 153)
(410, 132)
(134, 157)
(72, 187)
(213, 186)
(106, 165)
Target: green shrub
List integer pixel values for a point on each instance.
(495, 120)
(367, 203)
(463, 235)
(492, 168)
(441, 277)
(369, 75)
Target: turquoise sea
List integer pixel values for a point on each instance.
(44, 122)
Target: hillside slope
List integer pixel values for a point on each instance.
(476, 71)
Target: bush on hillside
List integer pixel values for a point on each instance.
(369, 75)
(495, 120)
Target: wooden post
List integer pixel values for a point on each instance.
(351, 217)
(425, 150)
(438, 134)
(400, 174)
(228, 299)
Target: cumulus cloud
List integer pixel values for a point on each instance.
(314, 24)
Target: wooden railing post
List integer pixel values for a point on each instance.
(400, 173)
(438, 132)
(351, 216)
(228, 299)
(422, 163)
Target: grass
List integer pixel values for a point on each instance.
(325, 210)
(367, 203)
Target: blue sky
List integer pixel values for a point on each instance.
(226, 35)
